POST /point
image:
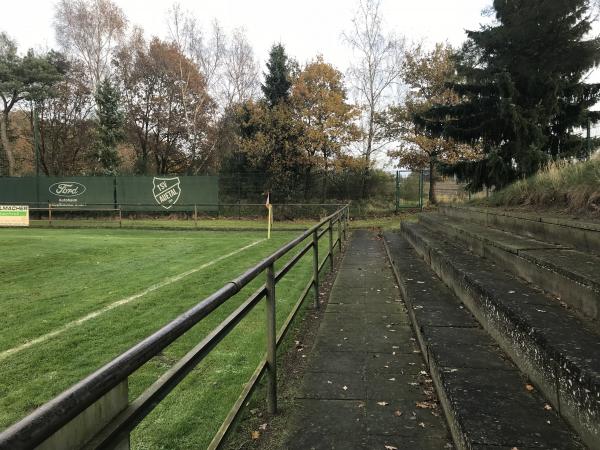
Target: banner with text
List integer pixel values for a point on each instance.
(14, 216)
(134, 193)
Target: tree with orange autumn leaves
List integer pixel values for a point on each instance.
(304, 133)
(168, 108)
(329, 125)
(426, 74)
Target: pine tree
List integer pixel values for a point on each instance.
(523, 95)
(109, 125)
(277, 79)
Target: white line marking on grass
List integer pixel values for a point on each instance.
(93, 315)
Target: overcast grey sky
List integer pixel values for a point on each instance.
(306, 27)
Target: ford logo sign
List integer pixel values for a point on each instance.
(67, 189)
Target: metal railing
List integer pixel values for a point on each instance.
(51, 214)
(52, 418)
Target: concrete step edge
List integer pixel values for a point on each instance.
(577, 291)
(457, 414)
(580, 235)
(572, 389)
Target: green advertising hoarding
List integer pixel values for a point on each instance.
(18, 190)
(135, 193)
(78, 192)
(59, 192)
(168, 193)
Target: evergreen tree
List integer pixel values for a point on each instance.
(523, 97)
(277, 79)
(110, 120)
(32, 78)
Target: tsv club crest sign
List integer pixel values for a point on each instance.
(166, 191)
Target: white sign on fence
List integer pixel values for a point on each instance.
(14, 216)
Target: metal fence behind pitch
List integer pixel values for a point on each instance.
(409, 189)
(71, 420)
(193, 216)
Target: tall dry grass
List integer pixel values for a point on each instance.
(574, 187)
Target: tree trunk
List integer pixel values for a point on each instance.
(324, 186)
(10, 157)
(432, 198)
(369, 150)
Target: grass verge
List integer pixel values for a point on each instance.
(573, 188)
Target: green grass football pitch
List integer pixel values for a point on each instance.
(72, 300)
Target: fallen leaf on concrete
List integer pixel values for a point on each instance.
(382, 403)
(424, 405)
(390, 447)
(391, 379)
(262, 427)
(397, 413)
(422, 425)
(547, 407)
(255, 435)
(529, 388)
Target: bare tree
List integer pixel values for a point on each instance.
(376, 69)
(88, 31)
(207, 52)
(241, 80)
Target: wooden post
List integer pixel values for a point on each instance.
(271, 342)
(195, 216)
(316, 267)
(120, 218)
(330, 228)
(50, 214)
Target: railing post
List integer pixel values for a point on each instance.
(340, 224)
(120, 217)
(271, 342)
(316, 267)
(195, 216)
(331, 244)
(50, 214)
(346, 222)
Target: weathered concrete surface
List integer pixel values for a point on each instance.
(549, 344)
(482, 392)
(568, 274)
(366, 373)
(581, 235)
(77, 432)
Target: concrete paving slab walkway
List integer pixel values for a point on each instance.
(366, 386)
